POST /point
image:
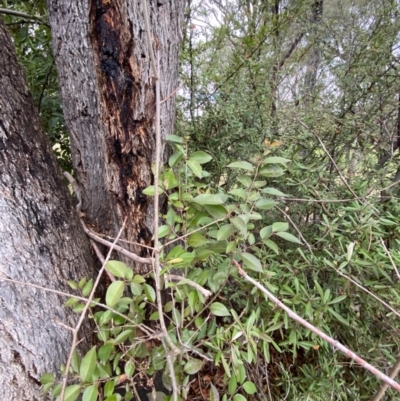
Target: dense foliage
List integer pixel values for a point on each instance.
(293, 107)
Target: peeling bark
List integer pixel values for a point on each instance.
(108, 95)
(41, 241)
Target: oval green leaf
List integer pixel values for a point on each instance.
(90, 394)
(273, 191)
(251, 261)
(117, 268)
(72, 392)
(174, 139)
(249, 387)
(114, 293)
(88, 365)
(276, 160)
(150, 293)
(224, 232)
(192, 366)
(195, 167)
(200, 157)
(208, 199)
(280, 226)
(265, 204)
(219, 309)
(271, 171)
(289, 237)
(242, 164)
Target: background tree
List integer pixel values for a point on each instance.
(109, 107)
(42, 241)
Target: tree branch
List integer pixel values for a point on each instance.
(335, 344)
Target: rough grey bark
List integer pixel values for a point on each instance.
(41, 241)
(108, 96)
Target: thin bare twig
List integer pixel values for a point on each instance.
(170, 95)
(368, 292)
(14, 13)
(391, 259)
(171, 349)
(296, 228)
(101, 258)
(335, 344)
(393, 373)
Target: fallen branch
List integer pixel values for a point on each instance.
(335, 344)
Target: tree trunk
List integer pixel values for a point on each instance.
(108, 96)
(41, 238)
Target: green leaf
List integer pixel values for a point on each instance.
(338, 299)
(251, 261)
(280, 226)
(271, 245)
(265, 204)
(169, 180)
(249, 387)
(129, 369)
(266, 232)
(224, 232)
(109, 388)
(90, 394)
(47, 378)
(71, 302)
(175, 159)
(122, 337)
(216, 211)
(350, 249)
(72, 392)
(75, 362)
(273, 191)
(195, 167)
(276, 160)
(219, 309)
(117, 268)
(192, 366)
(239, 192)
(114, 293)
(105, 352)
(208, 199)
(242, 164)
(88, 365)
(289, 237)
(214, 395)
(232, 385)
(82, 282)
(136, 289)
(138, 279)
(195, 240)
(163, 231)
(150, 293)
(174, 139)
(200, 157)
(245, 180)
(239, 224)
(271, 171)
(338, 317)
(239, 397)
(72, 284)
(150, 191)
